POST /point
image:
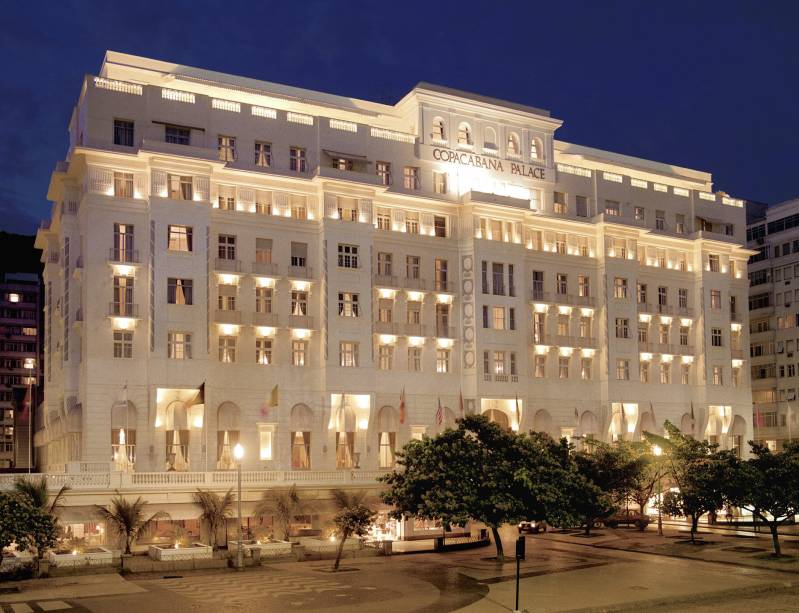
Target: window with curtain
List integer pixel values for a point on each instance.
(180, 291)
(387, 444)
(180, 238)
(345, 449)
(300, 450)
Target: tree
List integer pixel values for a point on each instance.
(127, 519)
(36, 491)
(479, 472)
(768, 486)
(283, 506)
(215, 510)
(25, 524)
(353, 516)
(645, 480)
(609, 473)
(700, 471)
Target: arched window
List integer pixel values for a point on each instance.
(177, 436)
(300, 422)
(123, 435)
(514, 146)
(536, 149)
(345, 422)
(465, 134)
(227, 434)
(439, 131)
(542, 422)
(497, 416)
(387, 426)
(490, 139)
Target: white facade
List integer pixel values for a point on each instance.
(452, 217)
(773, 233)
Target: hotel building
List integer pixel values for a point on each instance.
(312, 259)
(773, 233)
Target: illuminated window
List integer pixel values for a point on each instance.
(410, 178)
(620, 288)
(13, 297)
(263, 299)
(585, 368)
(226, 147)
(559, 203)
(179, 238)
(179, 291)
(563, 367)
(181, 187)
(383, 170)
(440, 182)
(265, 438)
(415, 359)
(537, 149)
(540, 366)
(498, 313)
(299, 350)
(442, 361)
(179, 346)
(348, 304)
(514, 145)
(263, 351)
(715, 299)
(227, 349)
(297, 159)
(385, 357)
(123, 344)
(622, 369)
(439, 131)
(348, 354)
(263, 154)
(718, 376)
(612, 208)
(465, 134)
(665, 372)
(123, 184)
(685, 373)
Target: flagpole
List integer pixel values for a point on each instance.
(30, 419)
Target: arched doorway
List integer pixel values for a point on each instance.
(387, 427)
(228, 424)
(300, 425)
(497, 416)
(177, 436)
(542, 422)
(123, 435)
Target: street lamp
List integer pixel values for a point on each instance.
(30, 364)
(658, 452)
(238, 453)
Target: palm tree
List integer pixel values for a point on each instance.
(215, 511)
(127, 519)
(353, 516)
(283, 506)
(36, 491)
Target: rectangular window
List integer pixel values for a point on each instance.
(179, 291)
(299, 351)
(123, 132)
(179, 238)
(665, 372)
(227, 349)
(561, 283)
(299, 255)
(685, 373)
(226, 148)
(620, 288)
(297, 160)
(612, 208)
(662, 296)
(538, 285)
(299, 303)
(498, 279)
(123, 344)
(442, 361)
(348, 354)
(440, 182)
(682, 298)
(263, 351)
(179, 346)
(384, 261)
(511, 281)
(679, 224)
(410, 178)
(177, 135)
(226, 244)
(181, 187)
(643, 372)
(715, 299)
(123, 296)
(713, 263)
(347, 256)
(563, 367)
(383, 170)
(385, 357)
(440, 226)
(622, 327)
(585, 368)
(263, 299)
(660, 220)
(663, 334)
(348, 304)
(640, 213)
(583, 286)
(715, 337)
(263, 250)
(622, 369)
(539, 327)
(684, 336)
(718, 376)
(411, 223)
(263, 154)
(581, 206)
(383, 219)
(123, 184)
(440, 270)
(498, 316)
(415, 359)
(540, 366)
(559, 203)
(563, 325)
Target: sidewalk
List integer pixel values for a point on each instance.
(68, 588)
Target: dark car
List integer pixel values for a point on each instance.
(532, 527)
(627, 518)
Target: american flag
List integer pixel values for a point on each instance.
(439, 413)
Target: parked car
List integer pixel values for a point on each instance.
(627, 518)
(532, 527)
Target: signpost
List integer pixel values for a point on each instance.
(520, 543)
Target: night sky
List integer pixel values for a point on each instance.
(712, 86)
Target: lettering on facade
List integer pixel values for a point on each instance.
(462, 158)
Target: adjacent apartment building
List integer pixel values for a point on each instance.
(323, 278)
(19, 367)
(773, 233)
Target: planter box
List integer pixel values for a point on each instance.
(270, 549)
(313, 545)
(196, 551)
(97, 556)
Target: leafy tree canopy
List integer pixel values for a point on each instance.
(24, 523)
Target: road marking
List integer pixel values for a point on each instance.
(53, 605)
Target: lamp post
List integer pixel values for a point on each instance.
(658, 452)
(238, 453)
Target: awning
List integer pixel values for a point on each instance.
(345, 156)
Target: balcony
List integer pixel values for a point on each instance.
(448, 286)
(561, 340)
(227, 317)
(414, 283)
(265, 319)
(646, 347)
(500, 378)
(270, 269)
(415, 330)
(737, 354)
(123, 256)
(387, 327)
(539, 295)
(443, 331)
(585, 342)
(685, 312)
(123, 309)
(226, 265)
(582, 301)
(736, 317)
(385, 281)
(301, 321)
(300, 272)
(665, 309)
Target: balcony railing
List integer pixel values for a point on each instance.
(301, 321)
(539, 295)
(300, 272)
(414, 283)
(415, 330)
(385, 281)
(227, 265)
(265, 319)
(123, 256)
(228, 317)
(123, 309)
(583, 301)
(444, 331)
(445, 285)
(265, 268)
(387, 327)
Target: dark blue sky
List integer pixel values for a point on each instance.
(712, 86)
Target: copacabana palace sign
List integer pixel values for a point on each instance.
(464, 158)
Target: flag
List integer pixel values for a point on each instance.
(693, 417)
(265, 409)
(274, 399)
(402, 406)
(25, 415)
(576, 417)
(518, 414)
(623, 421)
(439, 413)
(758, 417)
(461, 404)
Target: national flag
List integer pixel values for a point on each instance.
(518, 414)
(402, 406)
(759, 421)
(439, 413)
(461, 404)
(693, 417)
(274, 397)
(576, 417)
